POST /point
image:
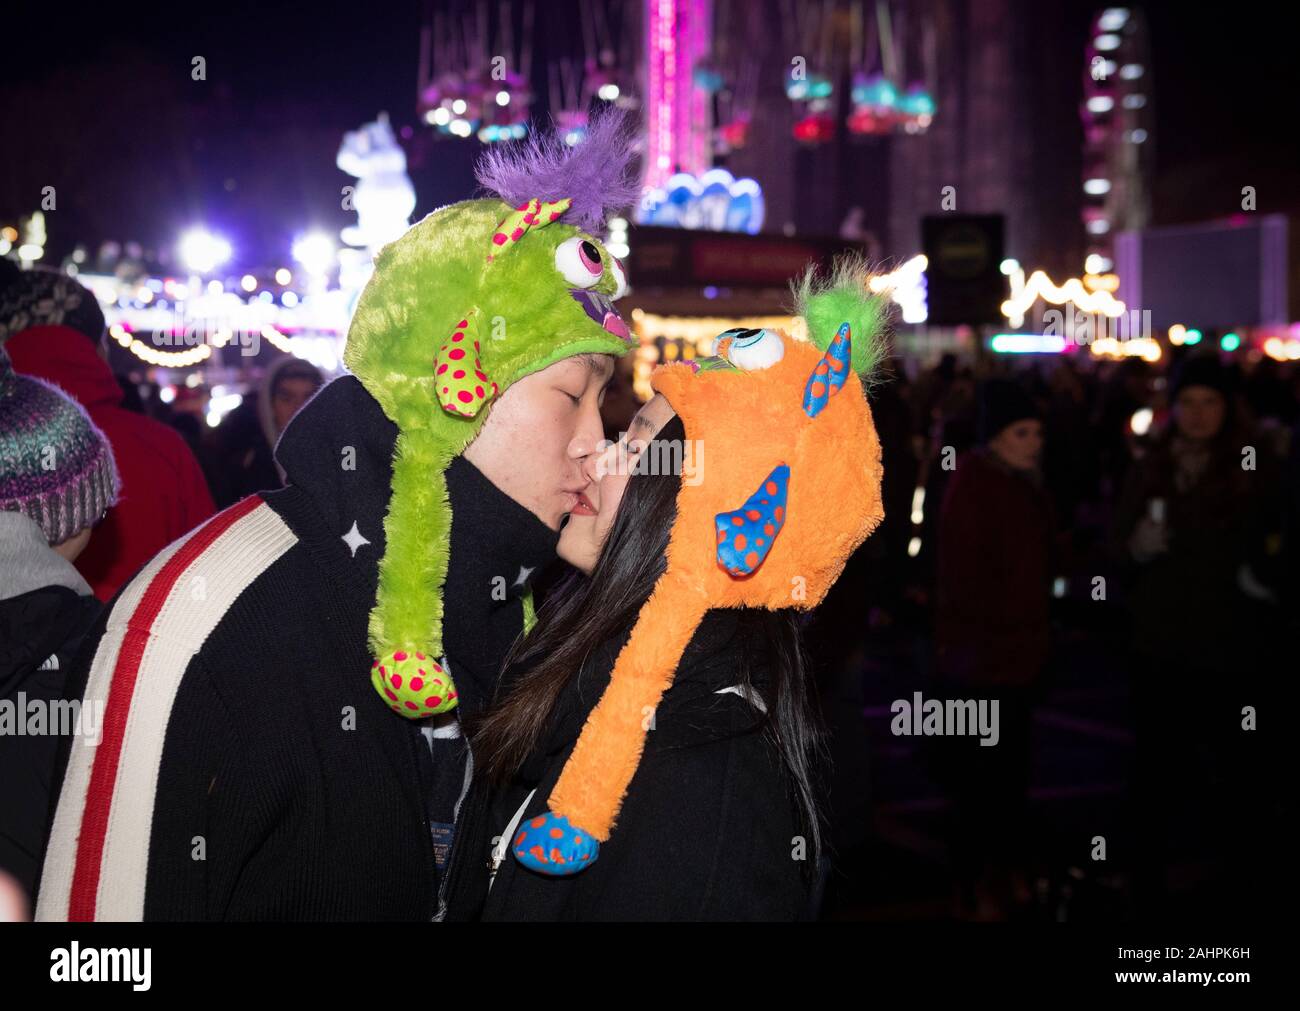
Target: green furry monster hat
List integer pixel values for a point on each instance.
(472, 298)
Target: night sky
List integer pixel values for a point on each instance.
(98, 102)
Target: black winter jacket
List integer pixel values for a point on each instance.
(249, 770)
(708, 830)
(46, 609)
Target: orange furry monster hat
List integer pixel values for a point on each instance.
(791, 488)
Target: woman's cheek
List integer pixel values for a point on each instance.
(611, 495)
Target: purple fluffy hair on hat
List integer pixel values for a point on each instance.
(594, 173)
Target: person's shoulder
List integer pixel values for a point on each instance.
(139, 438)
(190, 587)
(704, 733)
(216, 615)
(163, 436)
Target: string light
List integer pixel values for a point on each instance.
(1024, 293)
(1145, 348)
(152, 356)
(277, 340)
(1282, 349)
(906, 286)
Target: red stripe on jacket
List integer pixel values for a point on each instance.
(103, 776)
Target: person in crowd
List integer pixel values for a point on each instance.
(1126, 386)
(53, 329)
(1194, 528)
(286, 740)
(950, 431)
(653, 753)
(57, 480)
(995, 548)
(247, 436)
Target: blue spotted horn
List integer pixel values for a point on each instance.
(830, 373)
(745, 535)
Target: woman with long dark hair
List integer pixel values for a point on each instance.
(653, 752)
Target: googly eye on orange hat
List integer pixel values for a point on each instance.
(784, 486)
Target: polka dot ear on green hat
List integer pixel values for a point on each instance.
(413, 683)
(469, 300)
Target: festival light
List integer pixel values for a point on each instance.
(202, 252)
(1112, 19)
(1137, 347)
(617, 242)
(1028, 344)
(1282, 349)
(906, 286)
(277, 340)
(315, 251)
(1230, 342)
(677, 38)
(165, 359)
(1024, 293)
(220, 406)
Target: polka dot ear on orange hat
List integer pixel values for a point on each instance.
(413, 684)
(463, 387)
(745, 535)
(830, 373)
(550, 845)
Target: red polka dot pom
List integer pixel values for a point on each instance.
(402, 679)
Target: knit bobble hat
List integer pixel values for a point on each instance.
(1003, 402)
(56, 467)
(1204, 370)
(40, 296)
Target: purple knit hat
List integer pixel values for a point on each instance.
(55, 466)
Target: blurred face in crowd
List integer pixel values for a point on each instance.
(538, 436)
(1020, 444)
(609, 471)
(290, 394)
(1199, 412)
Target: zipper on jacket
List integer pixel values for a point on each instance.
(445, 879)
(412, 735)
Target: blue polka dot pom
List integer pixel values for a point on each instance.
(548, 844)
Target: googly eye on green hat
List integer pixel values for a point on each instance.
(468, 301)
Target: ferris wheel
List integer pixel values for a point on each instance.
(1117, 131)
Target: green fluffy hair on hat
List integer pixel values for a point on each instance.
(472, 298)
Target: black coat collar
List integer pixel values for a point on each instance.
(337, 453)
